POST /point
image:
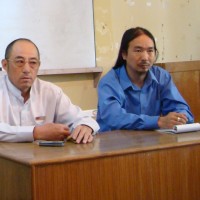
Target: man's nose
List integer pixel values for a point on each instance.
(144, 55)
(26, 67)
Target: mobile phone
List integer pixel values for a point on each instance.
(51, 143)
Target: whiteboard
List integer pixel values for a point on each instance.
(63, 30)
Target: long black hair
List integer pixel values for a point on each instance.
(127, 37)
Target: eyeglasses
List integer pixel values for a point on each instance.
(20, 62)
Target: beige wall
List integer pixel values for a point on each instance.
(174, 23)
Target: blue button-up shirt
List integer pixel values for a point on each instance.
(123, 105)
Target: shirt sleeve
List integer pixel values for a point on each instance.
(172, 100)
(72, 115)
(16, 133)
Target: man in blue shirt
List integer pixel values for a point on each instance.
(135, 94)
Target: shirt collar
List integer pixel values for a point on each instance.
(123, 78)
(15, 91)
(151, 78)
(126, 82)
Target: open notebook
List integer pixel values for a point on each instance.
(182, 128)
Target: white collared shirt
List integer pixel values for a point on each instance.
(47, 104)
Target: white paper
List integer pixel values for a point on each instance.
(182, 128)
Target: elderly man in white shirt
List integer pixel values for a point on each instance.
(32, 109)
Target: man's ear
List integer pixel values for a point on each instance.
(124, 54)
(4, 64)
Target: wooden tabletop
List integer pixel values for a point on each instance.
(106, 144)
